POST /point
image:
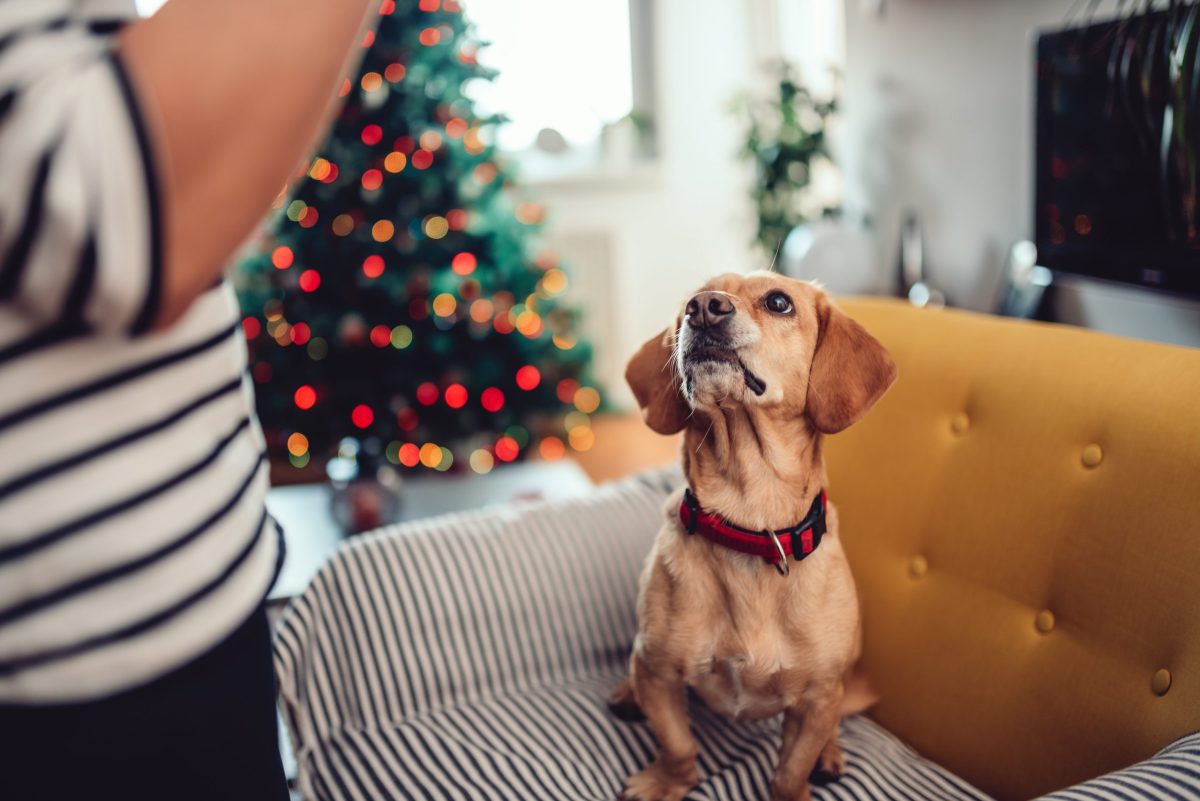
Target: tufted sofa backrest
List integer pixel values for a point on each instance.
(1022, 512)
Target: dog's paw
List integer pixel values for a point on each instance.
(830, 765)
(653, 784)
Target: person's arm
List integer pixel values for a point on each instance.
(235, 92)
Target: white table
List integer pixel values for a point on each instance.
(312, 534)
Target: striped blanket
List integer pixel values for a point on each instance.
(469, 657)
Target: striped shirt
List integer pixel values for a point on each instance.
(133, 531)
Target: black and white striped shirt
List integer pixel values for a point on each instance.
(133, 531)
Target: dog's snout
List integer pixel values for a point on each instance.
(708, 309)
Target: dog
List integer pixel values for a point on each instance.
(757, 369)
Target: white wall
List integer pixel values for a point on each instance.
(938, 116)
(671, 227)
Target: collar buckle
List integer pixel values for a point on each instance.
(782, 565)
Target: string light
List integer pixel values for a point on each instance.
(295, 210)
(587, 400)
(429, 37)
(297, 444)
(410, 455)
(554, 281)
(342, 225)
(463, 263)
(492, 399)
(457, 219)
(300, 333)
(507, 449)
(372, 179)
(251, 327)
(431, 455)
(401, 337)
(430, 5)
(387, 7)
(372, 265)
(528, 377)
(405, 144)
(309, 281)
(345, 88)
(305, 397)
(368, 39)
(552, 448)
(436, 227)
(318, 349)
(309, 218)
(394, 72)
(320, 169)
(456, 127)
(455, 396)
(427, 393)
(362, 416)
(566, 390)
(481, 310)
(395, 161)
(371, 134)
(381, 336)
(482, 461)
(431, 140)
(422, 159)
(581, 438)
(371, 81)
(444, 305)
(383, 230)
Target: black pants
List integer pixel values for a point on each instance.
(206, 731)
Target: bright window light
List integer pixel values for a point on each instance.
(564, 65)
(148, 7)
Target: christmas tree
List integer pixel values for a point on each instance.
(398, 298)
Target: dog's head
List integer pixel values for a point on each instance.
(760, 340)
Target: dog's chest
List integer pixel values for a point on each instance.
(749, 675)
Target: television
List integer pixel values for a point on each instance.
(1118, 152)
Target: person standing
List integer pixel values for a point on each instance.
(135, 546)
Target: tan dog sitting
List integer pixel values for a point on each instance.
(757, 369)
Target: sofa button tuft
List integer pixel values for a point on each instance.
(917, 566)
(960, 423)
(1091, 456)
(1044, 621)
(1161, 681)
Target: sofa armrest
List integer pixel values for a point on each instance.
(417, 617)
(1173, 773)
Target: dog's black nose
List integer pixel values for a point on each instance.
(708, 310)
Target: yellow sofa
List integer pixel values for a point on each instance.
(1022, 512)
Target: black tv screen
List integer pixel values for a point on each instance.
(1118, 154)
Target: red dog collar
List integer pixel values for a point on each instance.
(796, 541)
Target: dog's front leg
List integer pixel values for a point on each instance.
(806, 732)
(673, 772)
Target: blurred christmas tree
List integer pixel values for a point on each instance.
(398, 298)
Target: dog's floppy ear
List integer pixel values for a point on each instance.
(652, 376)
(850, 372)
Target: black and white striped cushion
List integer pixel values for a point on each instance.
(469, 657)
(1173, 773)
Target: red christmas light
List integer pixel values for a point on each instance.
(566, 390)
(305, 397)
(507, 449)
(404, 144)
(456, 396)
(427, 393)
(372, 134)
(422, 159)
(282, 257)
(430, 37)
(410, 455)
(381, 336)
(387, 7)
(345, 89)
(310, 280)
(463, 263)
(372, 179)
(251, 327)
(406, 418)
(301, 333)
(309, 218)
(492, 399)
(430, 5)
(362, 416)
(528, 377)
(456, 219)
(372, 266)
(368, 39)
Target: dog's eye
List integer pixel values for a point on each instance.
(778, 303)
